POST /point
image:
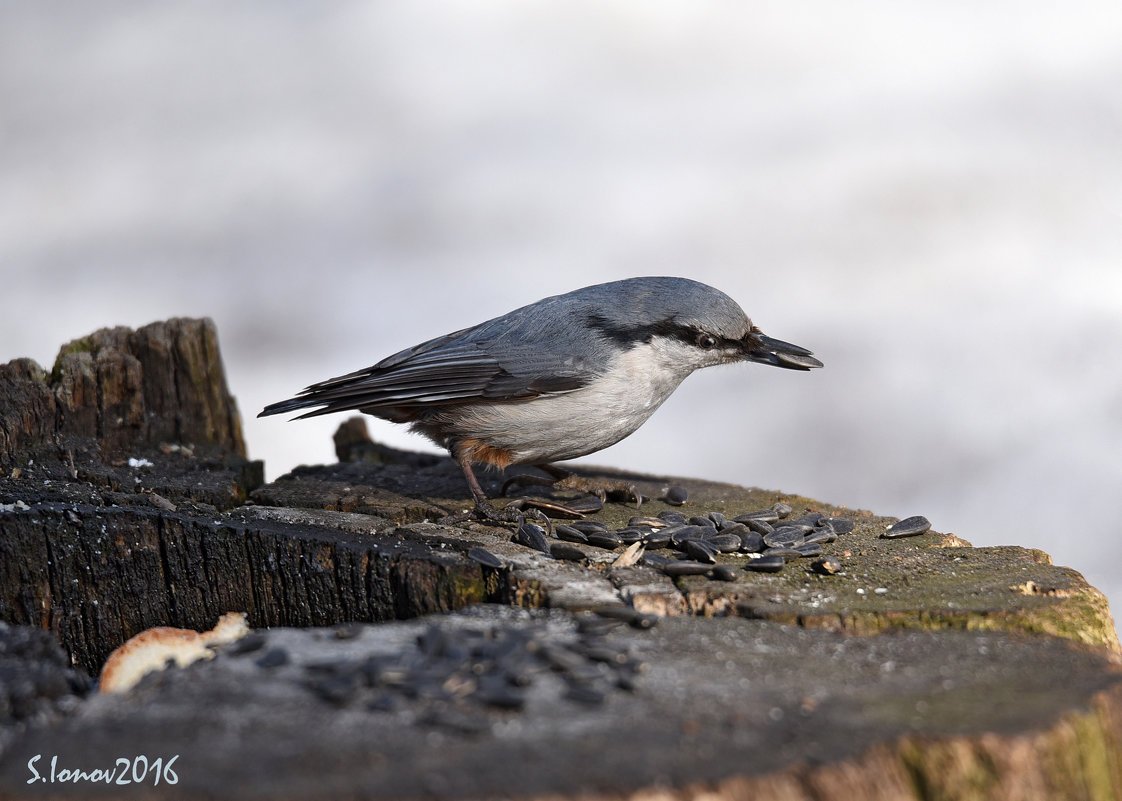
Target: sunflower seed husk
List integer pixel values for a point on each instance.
(827, 565)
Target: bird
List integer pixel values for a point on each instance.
(557, 379)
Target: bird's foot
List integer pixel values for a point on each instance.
(514, 513)
(603, 489)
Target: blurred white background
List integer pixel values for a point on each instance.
(928, 195)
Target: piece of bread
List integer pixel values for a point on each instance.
(153, 649)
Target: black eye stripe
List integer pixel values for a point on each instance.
(632, 335)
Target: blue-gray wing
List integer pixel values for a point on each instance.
(460, 367)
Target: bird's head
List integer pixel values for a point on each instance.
(690, 323)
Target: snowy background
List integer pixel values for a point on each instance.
(928, 195)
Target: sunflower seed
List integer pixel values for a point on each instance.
(565, 551)
(700, 520)
(640, 521)
(679, 536)
(701, 551)
(809, 549)
(798, 360)
(587, 526)
(784, 537)
(485, 558)
(604, 539)
(763, 515)
(672, 518)
(726, 543)
(654, 560)
(766, 564)
(533, 536)
(841, 525)
(827, 565)
(656, 539)
(908, 527)
(786, 553)
(676, 496)
(569, 534)
(751, 542)
(717, 518)
(759, 526)
(685, 568)
(739, 529)
(822, 537)
(724, 573)
(630, 535)
(811, 519)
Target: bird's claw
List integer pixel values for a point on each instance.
(602, 489)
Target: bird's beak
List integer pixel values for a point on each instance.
(759, 348)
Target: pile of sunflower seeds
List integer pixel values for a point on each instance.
(769, 539)
(760, 535)
(453, 674)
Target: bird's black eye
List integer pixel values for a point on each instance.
(705, 340)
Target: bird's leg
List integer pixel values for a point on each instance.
(566, 479)
(484, 509)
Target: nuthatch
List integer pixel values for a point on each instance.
(560, 378)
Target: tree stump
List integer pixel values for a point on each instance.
(390, 663)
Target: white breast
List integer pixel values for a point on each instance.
(567, 425)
